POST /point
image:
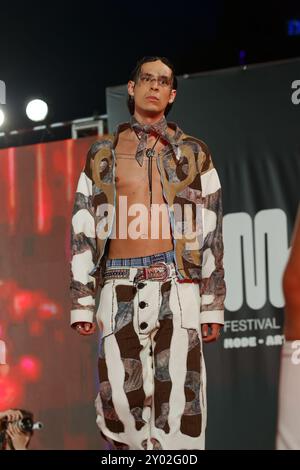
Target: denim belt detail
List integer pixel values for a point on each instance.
(156, 272)
(143, 261)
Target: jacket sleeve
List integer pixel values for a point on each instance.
(83, 249)
(212, 287)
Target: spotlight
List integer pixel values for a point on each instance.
(37, 110)
(2, 117)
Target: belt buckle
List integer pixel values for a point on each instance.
(166, 269)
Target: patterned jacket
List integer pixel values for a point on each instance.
(189, 181)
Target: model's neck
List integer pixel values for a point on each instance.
(142, 119)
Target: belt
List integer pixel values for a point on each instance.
(159, 271)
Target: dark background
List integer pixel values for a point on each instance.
(68, 53)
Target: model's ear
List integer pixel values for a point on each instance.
(130, 88)
(172, 96)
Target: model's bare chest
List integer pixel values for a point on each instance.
(130, 177)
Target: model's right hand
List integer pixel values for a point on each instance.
(84, 328)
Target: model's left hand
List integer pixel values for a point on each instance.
(213, 334)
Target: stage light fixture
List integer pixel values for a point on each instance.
(2, 117)
(37, 110)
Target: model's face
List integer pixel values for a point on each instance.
(152, 90)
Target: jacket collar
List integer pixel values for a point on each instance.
(175, 140)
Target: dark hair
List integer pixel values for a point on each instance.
(136, 73)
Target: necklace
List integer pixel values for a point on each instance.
(150, 152)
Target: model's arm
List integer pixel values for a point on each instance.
(83, 253)
(291, 287)
(212, 288)
(288, 426)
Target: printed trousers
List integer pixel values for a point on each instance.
(152, 392)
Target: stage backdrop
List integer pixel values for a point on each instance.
(250, 119)
(50, 369)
